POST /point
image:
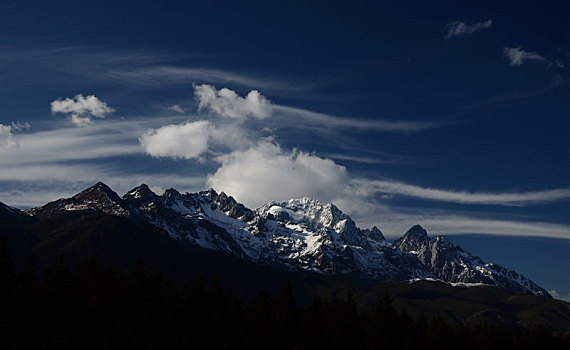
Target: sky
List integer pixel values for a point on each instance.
(453, 115)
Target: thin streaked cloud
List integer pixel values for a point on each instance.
(302, 118)
(517, 56)
(459, 29)
(462, 197)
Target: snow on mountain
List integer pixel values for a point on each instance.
(97, 197)
(452, 264)
(299, 234)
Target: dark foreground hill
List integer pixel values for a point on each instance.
(97, 307)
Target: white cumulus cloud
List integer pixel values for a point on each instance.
(188, 140)
(7, 138)
(518, 56)
(459, 29)
(267, 171)
(81, 109)
(227, 103)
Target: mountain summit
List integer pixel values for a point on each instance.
(299, 235)
(414, 239)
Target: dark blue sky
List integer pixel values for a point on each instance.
(451, 115)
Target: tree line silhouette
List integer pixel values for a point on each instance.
(97, 307)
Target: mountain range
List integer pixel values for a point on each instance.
(299, 235)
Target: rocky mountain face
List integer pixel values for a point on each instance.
(452, 264)
(298, 235)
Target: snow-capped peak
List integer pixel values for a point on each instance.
(307, 211)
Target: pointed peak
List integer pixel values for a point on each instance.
(99, 196)
(224, 200)
(140, 192)
(376, 234)
(171, 193)
(414, 239)
(9, 209)
(210, 194)
(99, 187)
(376, 230)
(333, 207)
(222, 196)
(141, 188)
(417, 232)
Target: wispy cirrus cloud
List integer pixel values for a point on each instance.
(463, 224)
(560, 296)
(104, 140)
(394, 222)
(458, 29)
(176, 108)
(138, 69)
(302, 118)
(462, 197)
(517, 56)
(153, 75)
(370, 209)
(378, 158)
(72, 153)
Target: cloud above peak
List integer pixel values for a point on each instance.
(458, 29)
(81, 109)
(267, 171)
(227, 103)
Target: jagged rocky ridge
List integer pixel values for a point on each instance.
(299, 234)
